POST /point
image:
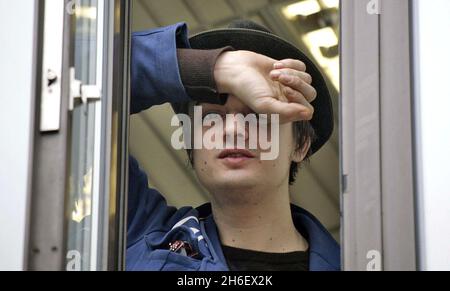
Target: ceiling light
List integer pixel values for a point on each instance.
(86, 12)
(302, 8)
(324, 38)
(330, 3)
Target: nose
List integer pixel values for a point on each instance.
(235, 131)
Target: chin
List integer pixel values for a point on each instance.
(237, 179)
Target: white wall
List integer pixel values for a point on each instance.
(432, 68)
(16, 102)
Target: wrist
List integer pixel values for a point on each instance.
(228, 68)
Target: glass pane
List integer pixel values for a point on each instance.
(83, 139)
(313, 27)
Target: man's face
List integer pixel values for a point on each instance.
(231, 168)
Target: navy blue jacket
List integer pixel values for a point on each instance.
(152, 224)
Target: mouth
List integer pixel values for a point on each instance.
(236, 157)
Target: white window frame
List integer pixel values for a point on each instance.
(378, 201)
(432, 131)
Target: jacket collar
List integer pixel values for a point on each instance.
(324, 250)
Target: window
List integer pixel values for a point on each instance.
(79, 179)
(368, 185)
(314, 28)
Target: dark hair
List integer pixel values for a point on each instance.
(303, 134)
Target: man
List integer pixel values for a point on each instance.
(250, 224)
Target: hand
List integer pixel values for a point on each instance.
(267, 85)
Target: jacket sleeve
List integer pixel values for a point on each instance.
(147, 208)
(155, 75)
(165, 69)
(155, 79)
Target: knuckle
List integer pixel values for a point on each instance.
(289, 79)
(294, 63)
(289, 61)
(308, 78)
(287, 91)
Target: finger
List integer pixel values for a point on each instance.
(275, 74)
(288, 112)
(297, 97)
(290, 63)
(300, 85)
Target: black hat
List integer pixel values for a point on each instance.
(247, 35)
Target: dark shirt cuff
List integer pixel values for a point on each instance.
(197, 74)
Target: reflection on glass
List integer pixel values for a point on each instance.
(317, 41)
(304, 8)
(82, 138)
(317, 22)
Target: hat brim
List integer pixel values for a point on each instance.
(275, 47)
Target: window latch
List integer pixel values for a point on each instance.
(80, 91)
